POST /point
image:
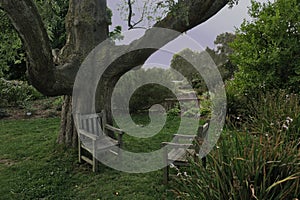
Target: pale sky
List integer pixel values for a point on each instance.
(224, 21)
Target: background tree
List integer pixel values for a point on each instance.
(266, 49)
(180, 64)
(147, 95)
(221, 54)
(87, 24)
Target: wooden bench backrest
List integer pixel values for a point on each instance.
(92, 123)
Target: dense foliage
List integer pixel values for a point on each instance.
(12, 53)
(266, 49)
(11, 50)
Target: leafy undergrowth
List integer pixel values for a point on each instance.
(34, 166)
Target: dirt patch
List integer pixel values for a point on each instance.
(7, 162)
(35, 109)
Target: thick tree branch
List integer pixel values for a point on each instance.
(85, 31)
(198, 11)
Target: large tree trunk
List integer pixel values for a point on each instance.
(87, 26)
(68, 134)
(83, 34)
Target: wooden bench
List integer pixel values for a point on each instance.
(184, 148)
(92, 137)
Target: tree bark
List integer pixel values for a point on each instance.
(68, 133)
(87, 26)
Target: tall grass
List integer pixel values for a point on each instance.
(259, 161)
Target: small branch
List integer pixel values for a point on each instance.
(130, 14)
(138, 27)
(130, 25)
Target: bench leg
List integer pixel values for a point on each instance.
(166, 164)
(95, 164)
(95, 161)
(204, 162)
(166, 174)
(79, 150)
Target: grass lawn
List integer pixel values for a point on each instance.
(34, 166)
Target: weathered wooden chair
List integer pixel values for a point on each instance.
(184, 148)
(92, 137)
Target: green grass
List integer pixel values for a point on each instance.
(135, 144)
(34, 166)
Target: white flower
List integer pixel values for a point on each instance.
(267, 135)
(289, 119)
(285, 127)
(185, 174)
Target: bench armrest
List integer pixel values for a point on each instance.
(176, 145)
(181, 136)
(87, 134)
(120, 133)
(114, 129)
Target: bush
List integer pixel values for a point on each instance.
(173, 112)
(265, 47)
(17, 93)
(58, 102)
(237, 102)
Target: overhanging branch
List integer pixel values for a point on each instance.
(53, 80)
(198, 12)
